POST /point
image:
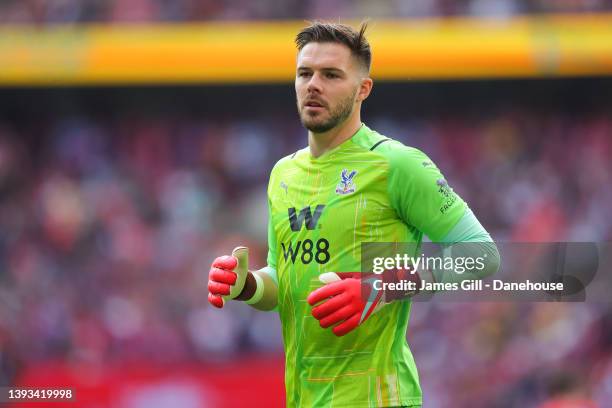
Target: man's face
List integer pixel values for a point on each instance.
(327, 84)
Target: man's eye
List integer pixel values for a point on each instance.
(303, 74)
(331, 75)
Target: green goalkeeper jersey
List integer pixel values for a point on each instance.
(368, 189)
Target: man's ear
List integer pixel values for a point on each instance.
(365, 87)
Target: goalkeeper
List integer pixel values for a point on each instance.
(349, 185)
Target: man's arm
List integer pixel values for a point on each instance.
(258, 288)
(423, 198)
(261, 289)
(423, 201)
(468, 240)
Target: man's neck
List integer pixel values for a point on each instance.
(320, 143)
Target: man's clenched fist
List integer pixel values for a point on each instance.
(220, 279)
(227, 276)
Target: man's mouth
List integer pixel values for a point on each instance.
(313, 104)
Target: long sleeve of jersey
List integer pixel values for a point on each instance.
(425, 201)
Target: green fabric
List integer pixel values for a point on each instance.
(317, 224)
(468, 239)
(419, 193)
(271, 242)
(468, 229)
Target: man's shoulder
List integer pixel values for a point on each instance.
(394, 151)
(288, 160)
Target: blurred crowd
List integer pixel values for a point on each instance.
(108, 226)
(74, 11)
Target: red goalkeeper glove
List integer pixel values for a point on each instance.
(349, 299)
(227, 276)
(343, 302)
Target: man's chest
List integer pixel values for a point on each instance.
(317, 213)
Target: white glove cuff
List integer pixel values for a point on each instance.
(259, 290)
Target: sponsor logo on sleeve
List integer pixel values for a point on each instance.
(449, 196)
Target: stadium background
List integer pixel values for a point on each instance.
(135, 143)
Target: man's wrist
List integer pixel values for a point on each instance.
(250, 287)
(259, 290)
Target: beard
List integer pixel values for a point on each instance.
(336, 116)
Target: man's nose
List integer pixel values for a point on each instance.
(314, 85)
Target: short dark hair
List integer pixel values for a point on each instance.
(338, 33)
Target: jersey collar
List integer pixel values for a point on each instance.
(331, 153)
